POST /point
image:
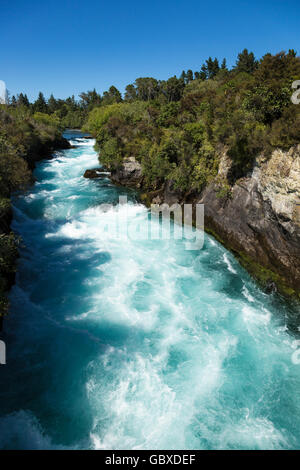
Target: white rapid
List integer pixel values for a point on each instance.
(127, 344)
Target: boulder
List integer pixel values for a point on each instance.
(96, 173)
(129, 174)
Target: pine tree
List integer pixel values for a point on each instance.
(183, 76)
(246, 62)
(52, 104)
(13, 101)
(40, 104)
(189, 76)
(22, 100)
(26, 101)
(203, 73)
(212, 67)
(224, 65)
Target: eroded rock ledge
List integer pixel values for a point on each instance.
(258, 218)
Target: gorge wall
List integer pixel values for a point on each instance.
(257, 218)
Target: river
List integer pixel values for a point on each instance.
(136, 344)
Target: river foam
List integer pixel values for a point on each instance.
(136, 344)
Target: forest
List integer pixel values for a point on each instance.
(176, 128)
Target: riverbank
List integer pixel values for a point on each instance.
(37, 148)
(257, 218)
(229, 140)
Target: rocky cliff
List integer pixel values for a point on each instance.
(257, 218)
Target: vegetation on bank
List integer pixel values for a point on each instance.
(178, 127)
(24, 137)
(67, 113)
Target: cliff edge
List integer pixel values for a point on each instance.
(257, 217)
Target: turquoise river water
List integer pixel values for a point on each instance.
(136, 344)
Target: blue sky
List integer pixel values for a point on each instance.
(68, 46)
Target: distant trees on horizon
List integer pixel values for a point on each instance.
(73, 113)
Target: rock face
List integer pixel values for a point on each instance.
(45, 150)
(129, 174)
(258, 219)
(260, 223)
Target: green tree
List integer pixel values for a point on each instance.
(22, 100)
(90, 99)
(183, 76)
(203, 72)
(40, 104)
(212, 67)
(111, 96)
(13, 101)
(147, 88)
(189, 76)
(52, 104)
(130, 93)
(224, 64)
(246, 62)
(172, 88)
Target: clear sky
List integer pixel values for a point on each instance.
(68, 46)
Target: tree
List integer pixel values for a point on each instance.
(13, 101)
(203, 72)
(173, 88)
(292, 53)
(22, 100)
(147, 88)
(90, 99)
(209, 69)
(278, 69)
(71, 103)
(212, 67)
(130, 93)
(246, 62)
(183, 76)
(189, 76)
(224, 65)
(52, 104)
(111, 96)
(40, 104)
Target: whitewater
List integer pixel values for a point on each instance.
(136, 344)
